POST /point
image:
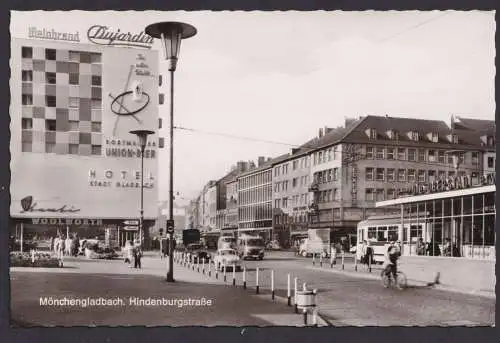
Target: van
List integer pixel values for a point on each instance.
(226, 242)
(250, 247)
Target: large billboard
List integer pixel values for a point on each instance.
(64, 171)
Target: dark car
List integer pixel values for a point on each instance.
(196, 251)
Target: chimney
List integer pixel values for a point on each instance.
(349, 121)
(327, 130)
(294, 150)
(260, 161)
(320, 133)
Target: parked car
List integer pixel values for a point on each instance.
(196, 251)
(227, 257)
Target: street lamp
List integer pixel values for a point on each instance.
(171, 35)
(143, 139)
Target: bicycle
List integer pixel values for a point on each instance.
(388, 279)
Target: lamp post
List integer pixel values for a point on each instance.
(143, 139)
(171, 35)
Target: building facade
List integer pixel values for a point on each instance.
(255, 201)
(68, 124)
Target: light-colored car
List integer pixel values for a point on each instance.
(228, 258)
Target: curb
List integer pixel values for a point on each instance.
(441, 287)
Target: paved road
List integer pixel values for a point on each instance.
(113, 280)
(348, 300)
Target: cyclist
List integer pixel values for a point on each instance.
(392, 256)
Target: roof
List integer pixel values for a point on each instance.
(467, 138)
(482, 125)
(266, 165)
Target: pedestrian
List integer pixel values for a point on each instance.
(128, 253)
(137, 256)
(60, 247)
(368, 254)
(333, 253)
(67, 245)
(420, 246)
(52, 243)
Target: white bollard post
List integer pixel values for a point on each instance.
(209, 268)
(33, 256)
(272, 284)
(295, 281)
(315, 318)
(355, 263)
(234, 274)
(288, 290)
(225, 272)
(369, 263)
(244, 277)
(203, 265)
(321, 260)
(257, 281)
(343, 255)
(314, 259)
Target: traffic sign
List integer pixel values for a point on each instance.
(130, 228)
(170, 226)
(131, 222)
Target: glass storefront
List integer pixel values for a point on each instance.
(459, 226)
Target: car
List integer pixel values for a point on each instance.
(227, 257)
(196, 251)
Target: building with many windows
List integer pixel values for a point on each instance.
(75, 165)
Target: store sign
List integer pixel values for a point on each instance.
(29, 205)
(61, 221)
(104, 35)
(449, 184)
(128, 148)
(35, 32)
(121, 179)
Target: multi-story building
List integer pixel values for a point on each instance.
(377, 158)
(231, 218)
(255, 200)
(69, 124)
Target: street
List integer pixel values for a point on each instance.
(342, 299)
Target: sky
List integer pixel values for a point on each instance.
(280, 76)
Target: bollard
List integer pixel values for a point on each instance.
(314, 259)
(272, 284)
(244, 277)
(295, 280)
(331, 260)
(321, 260)
(198, 264)
(343, 255)
(257, 281)
(33, 256)
(234, 275)
(288, 290)
(203, 265)
(304, 313)
(315, 318)
(369, 263)
(355, 264)
(193, 264)
(225, 273)
(216, 269)
(210, 268)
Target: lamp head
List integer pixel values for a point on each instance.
(143, 137)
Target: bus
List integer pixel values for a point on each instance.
(381, 230)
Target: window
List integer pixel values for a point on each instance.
(432, 155)
(369, 174)
(294, 182)
(96, 150)
(412, 155)
(401, 175)
(451, 173)
(50, 78)
(285, 202)
(96, 126)
(335, 150)
(412, 175)
(390, 153)
(372, 133)
(369, 152)
(294, 165)
(50, 101)
(401, 154)
(421, 176)
(74, 56)
(421, 155)
(461, 157)
(380, 153)
(380, 194)
(27, 75)
(441, 156)
(96, 80)
(27, 52)
(320, 157)
(450, 158)
(475, 158)
(380, 174)
(50, 54)
(330, 175)
(74, 102)
(50, 124)
(335, 174)
(325, 156)
(27, 124)
(96, 104)
(431, 175)
(50, 147)
(330, 154)
(391, 174)
(414, 136)
(73, 125)
(335, 194)
(276, 171)
(74, 78)
(73, 149)
(27, 99)
(391, 194)
(491, 162)
(441, 175)
(329, 195)
(95, 58)
(369, 194)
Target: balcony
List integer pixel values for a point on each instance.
(314, 187)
